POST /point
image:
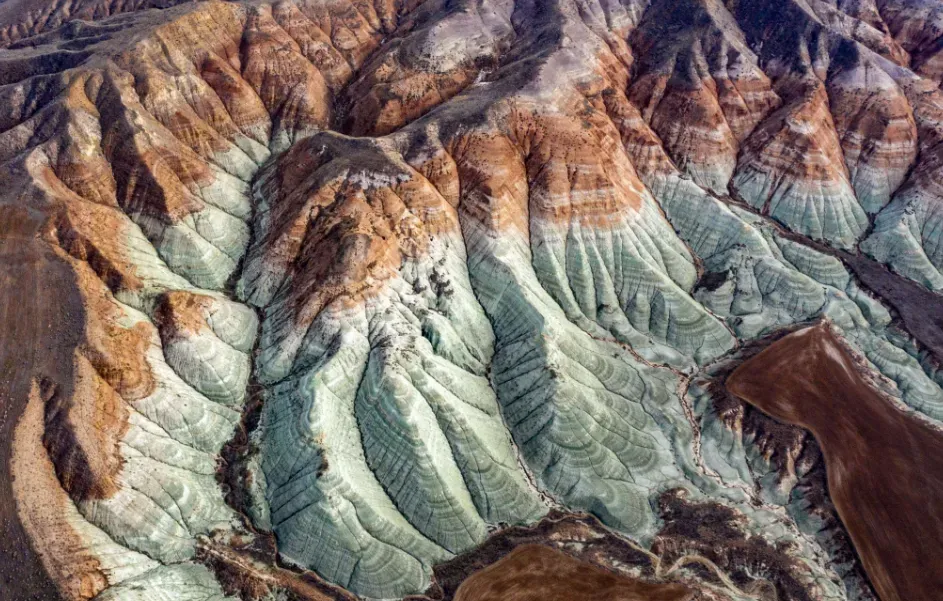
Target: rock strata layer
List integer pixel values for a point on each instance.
(311, 298)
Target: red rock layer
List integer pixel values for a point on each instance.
(166, 117)
(337, 230)
(40, 309)
(168, 120)
(43, 506)
(426, 66)
(699, 87)
(875, 124)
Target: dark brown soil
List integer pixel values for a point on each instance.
(541, 573)
(41, 319)
(596, 546)
(884, 465)
(920, 310)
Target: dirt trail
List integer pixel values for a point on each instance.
(884, 465)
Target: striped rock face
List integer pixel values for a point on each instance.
(339, 299)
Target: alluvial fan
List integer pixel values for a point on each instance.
(327, 299)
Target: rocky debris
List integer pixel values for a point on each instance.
(714, 532)
(23, 19)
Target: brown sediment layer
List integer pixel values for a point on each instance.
(582, 537)
(798, 141)
(885, 466)
(180, 313)
(83, 431)
(79, 368)
(85, 423)
(41, 310)
(920, 310)
(537, 572)
(44, 508)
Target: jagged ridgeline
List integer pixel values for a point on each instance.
(300, 299)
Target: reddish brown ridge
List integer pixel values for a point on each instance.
(884, 466)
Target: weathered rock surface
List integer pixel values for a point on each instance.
(315, 295)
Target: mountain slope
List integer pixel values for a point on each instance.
(325, 295)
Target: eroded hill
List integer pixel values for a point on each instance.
(323, 298)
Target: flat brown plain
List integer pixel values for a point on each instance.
(884, 466)
(540, 573)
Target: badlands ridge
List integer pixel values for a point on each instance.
(311, 299)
